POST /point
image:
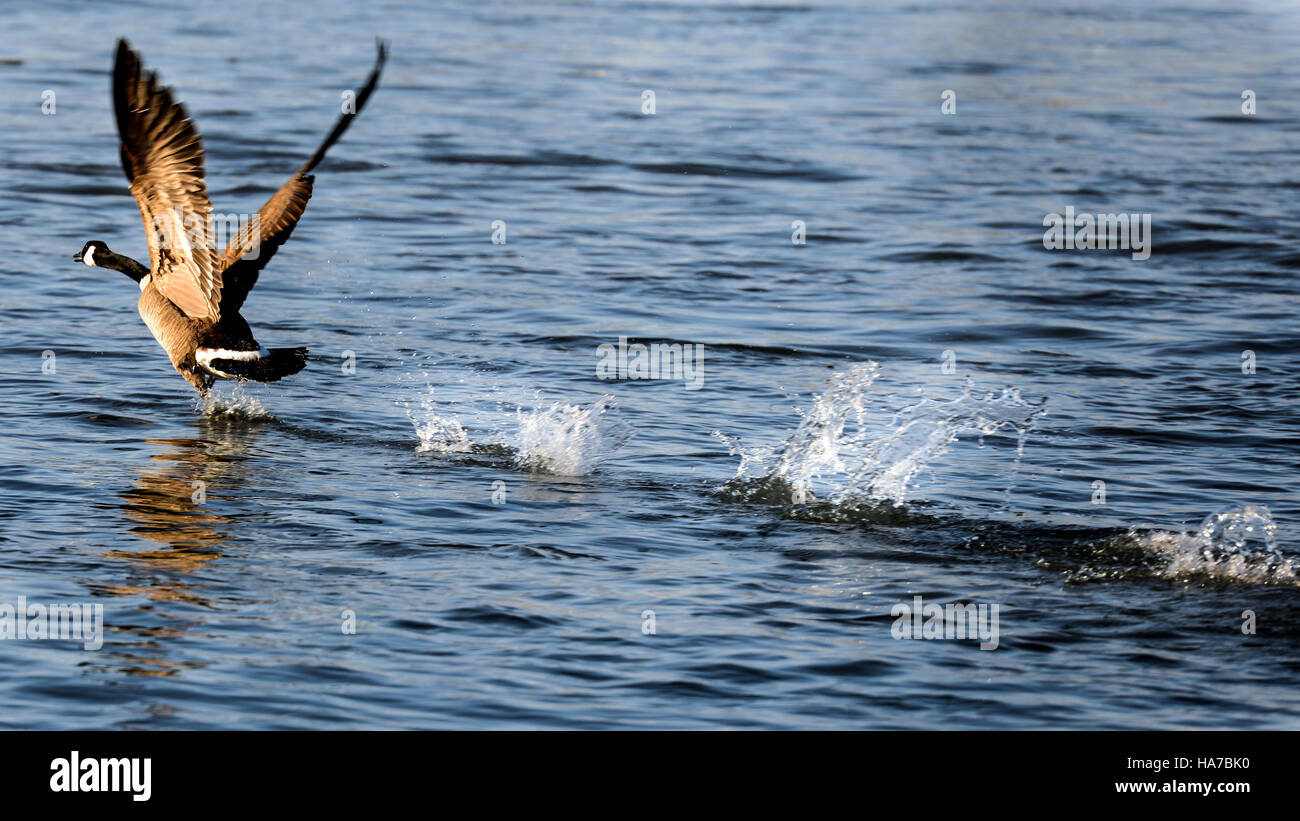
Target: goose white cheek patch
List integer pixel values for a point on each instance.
(89, 256)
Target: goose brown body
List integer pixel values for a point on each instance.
(182, 337)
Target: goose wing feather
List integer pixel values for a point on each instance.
(163, 159)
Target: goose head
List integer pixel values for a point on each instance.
(88, 251)
(97, 255)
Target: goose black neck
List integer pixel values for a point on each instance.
(119, 262)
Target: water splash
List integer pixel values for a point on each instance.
(923, 432)
(837, 453)
(815, 446)
(558, 438)
(438, 432)
(1237, 543)
(237, 407)
(570, 440)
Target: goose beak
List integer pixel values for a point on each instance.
(77, 257)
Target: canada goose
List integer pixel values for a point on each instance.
(190, 295)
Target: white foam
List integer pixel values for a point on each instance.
(238, 406)
(558, 437)
(1237, 543)
(570, 440)
(438, 433)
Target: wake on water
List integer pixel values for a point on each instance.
(845, 463)
(850, 459)
(1237, 543)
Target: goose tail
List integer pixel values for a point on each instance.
(274, 366)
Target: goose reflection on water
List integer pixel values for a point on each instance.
(174, 506)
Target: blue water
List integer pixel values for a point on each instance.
(770, 593)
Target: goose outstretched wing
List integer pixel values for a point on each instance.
(163, 159)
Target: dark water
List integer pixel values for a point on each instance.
(475, 364)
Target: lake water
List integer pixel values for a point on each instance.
(448, 520)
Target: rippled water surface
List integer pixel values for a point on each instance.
(919, 401)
